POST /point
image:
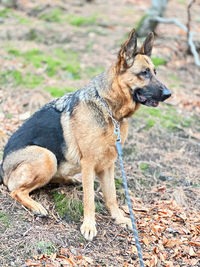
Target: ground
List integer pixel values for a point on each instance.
(49, 48)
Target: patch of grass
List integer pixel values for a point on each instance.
(99, 207)
(27, 80)
(4, 219)
(80, 20)
(184, 2)
(39, 59)
(57, 15)
(174, 77)
(9, 116)
(144, 166)
(149, 123)
(93, 71)
(118, 183)
(58, 92)
(66, 55)
(67, 61)
(45, 247)
(168, 118)
(4, 13)
(157, 61)
(52, 16)
(67, 208)
(23, 20)
(32, 35)
(14, 52)
(73, 70)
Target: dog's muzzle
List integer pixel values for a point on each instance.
(151, 96)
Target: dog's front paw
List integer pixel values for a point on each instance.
(124, 222)
(88, 229)
(39, 210)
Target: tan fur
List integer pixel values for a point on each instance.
(90, 148)
(30, 174)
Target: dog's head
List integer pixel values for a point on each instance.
(138, 72)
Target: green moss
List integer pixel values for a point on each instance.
(118, 183)
(157, 61)
(184, 2)
(39, 59)
(9, 116)
(52, 16)
(26, 80)
(4, 219)
(68, 209)
(155, 112)
(32, 81)
(58, 92)
(144, 166)
(23, 20)
(168, 118)
(4, 13)
(45, 247)
(32, 35)
(99, 207)
(67, 61)
(80, 20)
(140, 22)
(149, 123)
(90, 72)
(174, 77)
(73, 70)
(14, 52)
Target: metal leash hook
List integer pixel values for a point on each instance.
(119, 151)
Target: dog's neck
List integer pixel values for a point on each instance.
(121, 105)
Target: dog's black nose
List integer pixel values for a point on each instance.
(165, 93)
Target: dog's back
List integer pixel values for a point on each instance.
(42, 129)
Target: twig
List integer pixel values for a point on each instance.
(185, 29)
(171, 21)
(190, 35)
(189, 18)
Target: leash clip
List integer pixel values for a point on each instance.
(117, 132)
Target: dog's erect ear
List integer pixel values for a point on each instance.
(128, 51)
(147, 46)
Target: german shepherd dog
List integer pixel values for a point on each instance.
(75, 133)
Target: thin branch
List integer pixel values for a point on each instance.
(185, 29)
(189, 18)
(171, 21)
(193, 49)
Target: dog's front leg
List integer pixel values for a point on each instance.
(108, 187)
(88, 228)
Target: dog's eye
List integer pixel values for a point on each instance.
(145, 72)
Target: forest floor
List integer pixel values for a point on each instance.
(48, 48)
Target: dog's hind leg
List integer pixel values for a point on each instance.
(108, 187)
(36, 169)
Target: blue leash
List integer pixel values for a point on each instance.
(119, 151)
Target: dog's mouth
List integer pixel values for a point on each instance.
(140, 98)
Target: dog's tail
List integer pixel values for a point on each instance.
(1, 174)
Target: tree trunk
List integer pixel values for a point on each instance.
(146, 24)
